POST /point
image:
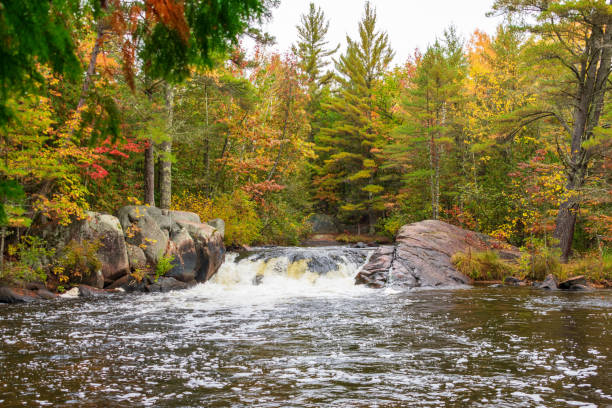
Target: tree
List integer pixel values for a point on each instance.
(431, 105)
(347, 176)
(574, 37)
(312, 53)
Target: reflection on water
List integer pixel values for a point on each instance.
(305, 336)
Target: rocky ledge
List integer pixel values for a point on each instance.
(421, 256)
(131, 245)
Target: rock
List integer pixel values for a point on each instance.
(568, 284)
(89, 292)
(70, 294)
(209, 249)
(421, 256)
(360, 245)
(579, 287)
(186, 216)
(550, 283)
(185, 262)
(17, 295)
(323, 224)
(153, 287)
(46, 294)
(136, 257)
(375, 273)
(197, 247)
(218, 224)
(168, 284)
(146, 228)
(512, 281)
(112, 253)
(103, 228)
(123, 283)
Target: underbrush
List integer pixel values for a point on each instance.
(536, 265)
(355, 238)
(482, 265)
(595, 266)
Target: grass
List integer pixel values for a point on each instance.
(486, 266)
(482, 265)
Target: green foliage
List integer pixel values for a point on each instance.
(78, 261)
(30, 262)
(35, 33)
(347, 169)
(482, 265)
(538, 260)
(164, 265)
(237, 209)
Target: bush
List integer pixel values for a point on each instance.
(242, 224)
(78, 261)
(164, 265)
(539, 259)
(482, 265)
(31, 261)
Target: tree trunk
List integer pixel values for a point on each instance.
(165, 179)
(149, 174)
(594, 73)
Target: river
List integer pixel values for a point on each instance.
(286, 327)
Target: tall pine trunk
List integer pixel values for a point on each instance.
(149, 174)
(165, 179)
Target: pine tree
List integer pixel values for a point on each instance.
(347, 177)
(430, 105)
(313, 55)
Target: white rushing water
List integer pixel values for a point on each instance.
(290, 273)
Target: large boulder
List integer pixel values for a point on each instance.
(146, 228)
(197, 248)
(104, 229)
(421, 256)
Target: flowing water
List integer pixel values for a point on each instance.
(284, 327)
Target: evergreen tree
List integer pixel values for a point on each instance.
(347, 179)
(431, 104)
(313, 55)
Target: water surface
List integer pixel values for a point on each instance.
(305, 336)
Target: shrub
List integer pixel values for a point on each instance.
(482, 265)
(595, 266)
(164, 265)
(538, 260)
(78, 261)
(31, 263)
(242, 224)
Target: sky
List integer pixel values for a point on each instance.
(409, 23)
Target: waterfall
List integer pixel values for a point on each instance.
(274, 273)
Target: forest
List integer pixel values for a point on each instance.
(106, 103)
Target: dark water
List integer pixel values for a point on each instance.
(298, 340)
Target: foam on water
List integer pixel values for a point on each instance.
(271, 276)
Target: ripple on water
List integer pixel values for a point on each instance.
(309, 342)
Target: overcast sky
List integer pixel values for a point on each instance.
(409, 23)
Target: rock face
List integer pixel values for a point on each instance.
(106, 230)
(151, 233)
(421, 256)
